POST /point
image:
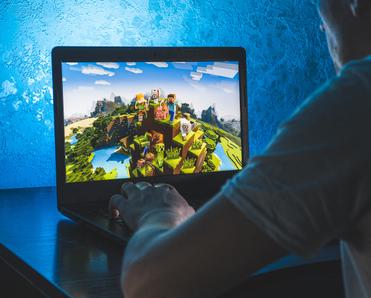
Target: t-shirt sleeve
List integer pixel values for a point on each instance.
(304, 190)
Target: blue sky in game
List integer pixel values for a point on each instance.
(200, 84)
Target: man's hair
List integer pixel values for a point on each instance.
(171, 95)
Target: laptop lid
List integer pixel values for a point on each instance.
(162, 115)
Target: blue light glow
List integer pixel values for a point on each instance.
(287, 59)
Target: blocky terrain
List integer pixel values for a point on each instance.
(155, 144)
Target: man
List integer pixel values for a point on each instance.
(312, 184)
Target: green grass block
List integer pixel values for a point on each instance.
(199, 134)
(179, 140)
(142, 171)
(111, 175)
(233, 151)
(197, 152)
(173, 163)
(216, 161)
(135, 172)
(161, 169)
(91, 156)
(188, 171)
(167, 122)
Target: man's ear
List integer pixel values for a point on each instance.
(359, 7)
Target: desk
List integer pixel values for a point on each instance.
(63, 259)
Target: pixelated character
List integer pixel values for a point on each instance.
(150, 157)
(162, 111)
(141, 163)
(149, 169)
(141, 106)
(171, 104)
(145, 150)
(160, 154)
(185, 127)
(155, 95)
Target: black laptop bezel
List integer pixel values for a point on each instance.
(200, 186)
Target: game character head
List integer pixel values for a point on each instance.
(155, 94)
(141, 163)
(171, 98)
(149, 156)
(160, 148)
(139, 97)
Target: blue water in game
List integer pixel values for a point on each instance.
(227, 164)
(108, 159)
(73, 140)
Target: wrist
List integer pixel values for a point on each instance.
(165, 218)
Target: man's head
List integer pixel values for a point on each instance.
(348, 29)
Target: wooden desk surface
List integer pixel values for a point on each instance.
(68, 258)
(64, 259)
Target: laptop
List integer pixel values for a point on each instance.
(174, 115)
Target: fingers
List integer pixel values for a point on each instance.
(129, 190)
(114, 206)
(143, 185)
(164, 185)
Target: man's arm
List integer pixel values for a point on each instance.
(212, 251)
(304, 190)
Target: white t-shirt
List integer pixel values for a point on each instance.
(313, 182)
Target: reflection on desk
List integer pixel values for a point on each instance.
(57, 255)
(91, 266)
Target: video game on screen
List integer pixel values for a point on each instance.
(142, 119)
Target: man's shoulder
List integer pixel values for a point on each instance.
(353, 82)
(341, 106)
(356, 68)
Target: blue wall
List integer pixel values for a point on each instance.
(287, 59)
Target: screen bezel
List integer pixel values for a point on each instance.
(79, 192)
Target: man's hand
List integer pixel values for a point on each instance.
(142, 203)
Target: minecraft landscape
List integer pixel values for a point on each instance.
(139, 131)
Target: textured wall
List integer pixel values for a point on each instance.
(287, 58)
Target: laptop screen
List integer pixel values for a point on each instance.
(142, 119)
